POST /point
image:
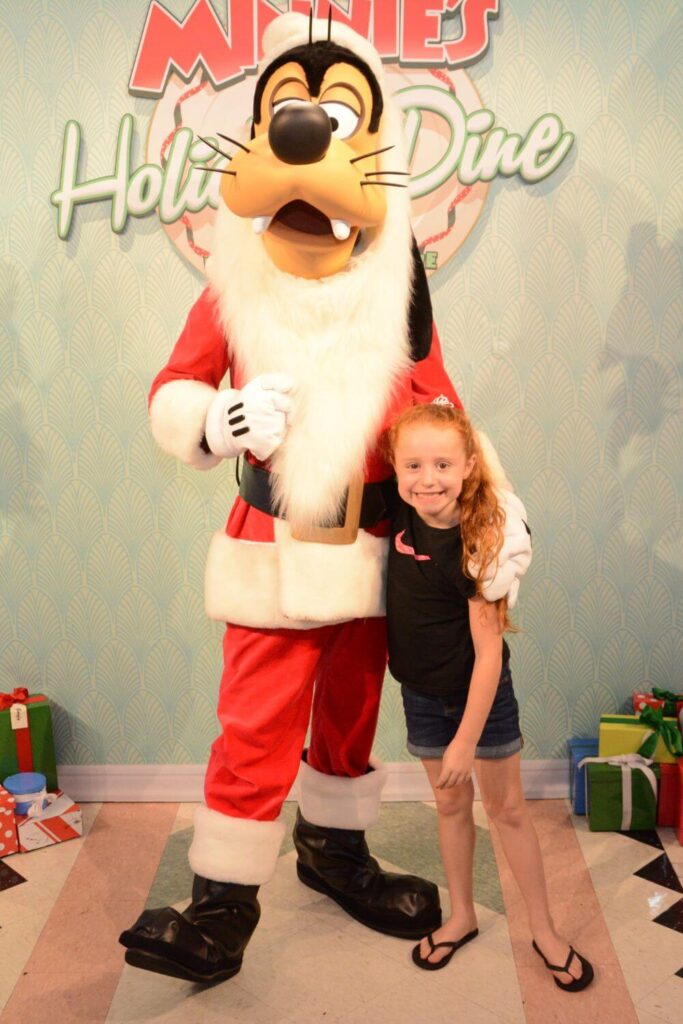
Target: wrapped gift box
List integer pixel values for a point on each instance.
(621, 797)
(670, 703)
(8, 830)
(60, 821)
(645, 700)
(579, 747)
(629, 734)
(673, 702)
(26, 741)
(670, 795)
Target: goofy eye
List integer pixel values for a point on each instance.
(279, 104)
(344, 119)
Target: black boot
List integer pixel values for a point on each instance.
(337, 862)
(205, 943)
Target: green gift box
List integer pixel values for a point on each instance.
(26, 740)
(621, 793)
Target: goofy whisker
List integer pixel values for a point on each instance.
(387, 184)
(219, 170)
(234, 142)
(375, 152)
(214, 148)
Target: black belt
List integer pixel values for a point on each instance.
(255, 489)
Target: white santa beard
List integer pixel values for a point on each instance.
(343, 339)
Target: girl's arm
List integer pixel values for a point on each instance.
(488, 662)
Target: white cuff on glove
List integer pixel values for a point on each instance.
(502, 577)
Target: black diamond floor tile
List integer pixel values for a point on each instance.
(673, 917)
(661, 871)
(649, 837)
(9, 877)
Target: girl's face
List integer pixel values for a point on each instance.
(431, 464)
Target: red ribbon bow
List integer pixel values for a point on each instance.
(18, 696)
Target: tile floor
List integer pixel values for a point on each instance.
(618, 896)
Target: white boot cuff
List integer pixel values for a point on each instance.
(335, 802)
(239, 850)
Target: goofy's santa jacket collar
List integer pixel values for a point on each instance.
(318, 308)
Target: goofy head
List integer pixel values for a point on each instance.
(323, 153)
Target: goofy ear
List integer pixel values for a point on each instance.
(420, 313)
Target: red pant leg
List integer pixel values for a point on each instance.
(347, 695)
(263, 707)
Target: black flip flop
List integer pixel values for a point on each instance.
(583, 981)
(431, 965)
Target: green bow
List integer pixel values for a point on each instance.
(670, 700)
(668, 731)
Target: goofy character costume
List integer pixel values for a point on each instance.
(319, 310)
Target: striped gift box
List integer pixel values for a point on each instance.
(60, 821)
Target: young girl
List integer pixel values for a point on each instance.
(446, 648)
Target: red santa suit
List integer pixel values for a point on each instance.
(298, 613)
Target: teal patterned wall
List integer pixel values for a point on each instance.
(561, 321)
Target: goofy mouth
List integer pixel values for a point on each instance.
(300, 218)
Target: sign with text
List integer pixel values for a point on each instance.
(201, 70)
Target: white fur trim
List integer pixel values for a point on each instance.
(239, 850)
(503, 577)
(335, 802)
(294, 585)
(291, 30)
(332, 582)
(241, 584)
(178, 419)
(498, 474)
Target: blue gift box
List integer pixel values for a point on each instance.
(580, 747)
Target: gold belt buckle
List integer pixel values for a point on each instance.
(345, 534)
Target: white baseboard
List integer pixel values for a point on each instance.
(159, 783)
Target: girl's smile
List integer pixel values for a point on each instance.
(431, 464)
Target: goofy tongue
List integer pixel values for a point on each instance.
(301, 216)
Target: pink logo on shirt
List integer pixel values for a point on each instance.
(405, 549)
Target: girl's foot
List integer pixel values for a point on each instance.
(454, 929)
(555, 950)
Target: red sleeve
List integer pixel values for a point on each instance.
(201, 352)
(429, 380)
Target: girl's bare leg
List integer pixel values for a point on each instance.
(501, 790)
(456, 842)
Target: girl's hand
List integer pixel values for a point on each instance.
(457, 763)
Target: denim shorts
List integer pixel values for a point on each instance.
(433, 722)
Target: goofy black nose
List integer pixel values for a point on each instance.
(300, 133)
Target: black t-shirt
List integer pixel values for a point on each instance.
(430, 643)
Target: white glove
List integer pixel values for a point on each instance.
(502, 577)
(253, 419)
